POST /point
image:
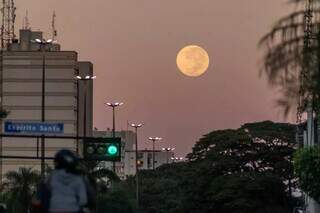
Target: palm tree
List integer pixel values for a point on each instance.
(287, 63)
(20, 186)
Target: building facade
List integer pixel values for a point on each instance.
(145, 160)
(21, 75)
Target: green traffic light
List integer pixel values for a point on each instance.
(112, 150)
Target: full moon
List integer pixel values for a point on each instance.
(192, 60)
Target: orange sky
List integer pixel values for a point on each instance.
(133, 45)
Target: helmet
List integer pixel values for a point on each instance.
(65, 159)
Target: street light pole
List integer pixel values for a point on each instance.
(85, 79)
(85, 108)
(136, 126)
(154, 139)
(167, 149)
(43, 44)
(114, 105)
(78, 125)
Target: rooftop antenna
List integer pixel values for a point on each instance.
(8, 12)
(53, 26)
(25, 22)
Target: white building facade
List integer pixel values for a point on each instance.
(145, 160)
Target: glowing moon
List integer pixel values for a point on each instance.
(192, 60)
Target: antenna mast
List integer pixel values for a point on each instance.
(8, 11)
(53, 26)
(26, 23)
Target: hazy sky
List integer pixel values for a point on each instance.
(133, 46)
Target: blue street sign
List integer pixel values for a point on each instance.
(44, 128)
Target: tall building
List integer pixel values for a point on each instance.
(21, 68)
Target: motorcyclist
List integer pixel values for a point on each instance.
(65, 190)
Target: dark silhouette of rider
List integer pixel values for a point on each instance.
(65, 190)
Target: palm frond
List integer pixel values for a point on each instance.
(285, 57)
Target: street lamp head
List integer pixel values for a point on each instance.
(168, 149)
(136, 125)
(43, 41)
(116, 104)
(87, 77)
(155, 138)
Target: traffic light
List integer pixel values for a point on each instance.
(102, 149)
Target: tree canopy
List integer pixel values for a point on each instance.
(307, 167)
(235, 170)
